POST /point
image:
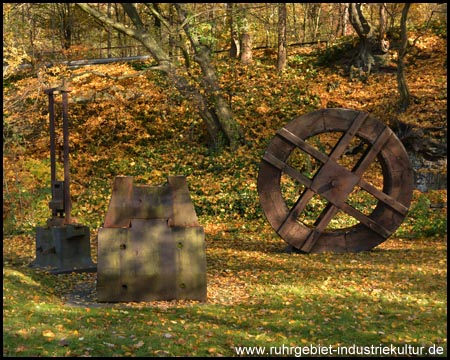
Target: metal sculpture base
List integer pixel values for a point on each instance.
(63, 249)
(151, 261)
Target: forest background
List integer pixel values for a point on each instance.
(204, 100)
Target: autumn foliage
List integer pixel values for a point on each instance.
(128, 120)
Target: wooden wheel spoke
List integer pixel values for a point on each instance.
(281, 165)
(385, 198)
(297, 209)
(365, 220)
(372, 153)
(320, 225)
(325, 217)
(301, 203)
(348, 136)
(302, 144)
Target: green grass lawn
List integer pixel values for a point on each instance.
(258, 295)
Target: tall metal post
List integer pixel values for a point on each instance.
(67, 201)
(51, 112)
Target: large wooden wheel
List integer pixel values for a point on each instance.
(335, 180)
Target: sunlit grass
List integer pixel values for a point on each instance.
(257, 296)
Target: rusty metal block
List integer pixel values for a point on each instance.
(57, 202)
(151, 246)
(64, 248)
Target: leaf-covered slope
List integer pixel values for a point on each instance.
(128, 122)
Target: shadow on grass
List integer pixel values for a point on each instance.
(385, 296)
(320, 319)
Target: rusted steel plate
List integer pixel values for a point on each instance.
(151, 261)
(151, 202)
(341, 168)
(183, 208)
(118, 214)
(170, 201)
(151, 246)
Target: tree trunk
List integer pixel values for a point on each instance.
(344, 19)
(219, 107)
(305, 19)
(282, 52)
(246, 48)
(401, 79)
(317, 9)
(157, 22)
(294, 23)
(66, 24)
(246, 40)
(234, 42)
(172, 41)
(383, 43)
(108, 30)
(364, 59)
(212, 107)
(119, 34)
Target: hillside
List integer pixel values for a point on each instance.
(123, 124)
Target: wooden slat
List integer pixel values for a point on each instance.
(322, 222)
(385, 198)
(302, 144)
(365, 220)
(297, 209)
(274, 161)
(371, 154)
(347, 137)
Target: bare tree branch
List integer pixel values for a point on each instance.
(144, 37)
